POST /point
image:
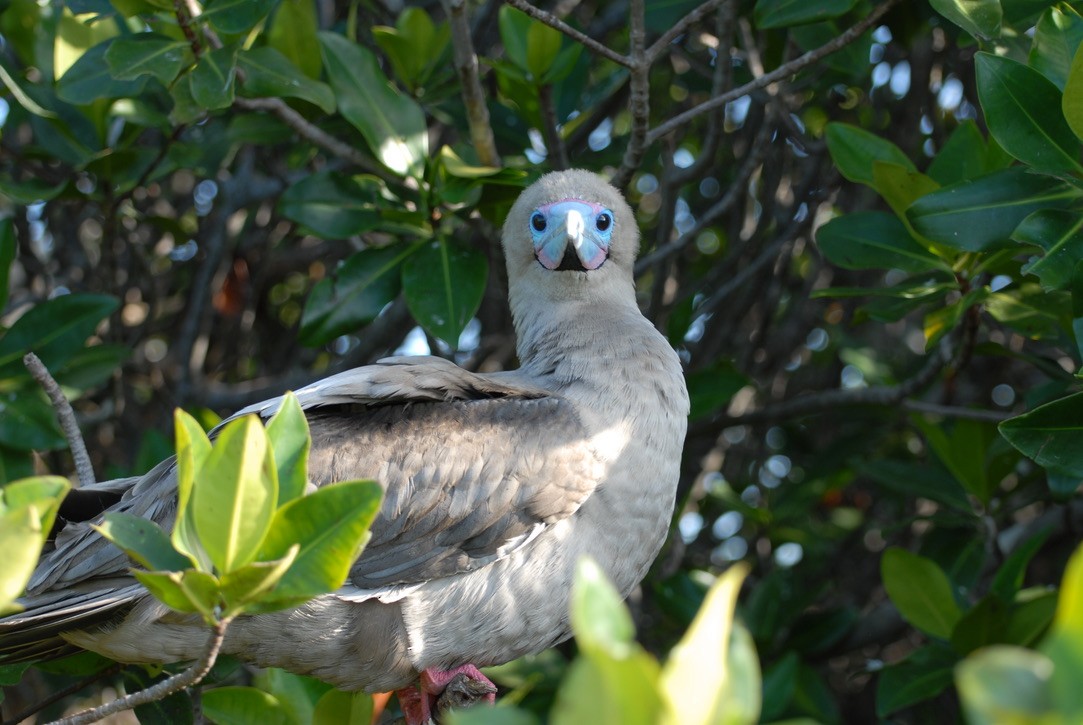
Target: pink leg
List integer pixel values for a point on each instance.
(417, 701)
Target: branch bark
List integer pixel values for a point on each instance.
(84, 469)
(590, 43)
(639, 104)
(466, 64)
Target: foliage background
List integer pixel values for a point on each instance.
(867, 258)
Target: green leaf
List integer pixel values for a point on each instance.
(443, 283)
(213, 81)
(21, 536)
(343, 708)
(193, 448)
(900, 186)
(1029, 310)
(962, 449)
(54, 330)
(354, 295)
(288, 433)
(1031, 617)
(144, 541)
(331, 525)
(542, 45)
(963, 156)
(712, 388)
(1057, 36)
(191, 591)
(251, 582)
(699, 681)
(874, 240)
(298, 694)
(1072, 100)
(854, 150)
(1060, 234)
(269, 73)
(8, 251)
(91, 366)
(784, 13)
(89, 79)
(1050, 434)
(1003, 684)
(152, 54)
(514, 27)
(234, 497)
(981, 214)
(599, 618)
(332, 205)
(980, 18)
(921, 591)
(779, 681)
(235, 16)
(1069, 618)
(983, 624)
(1009, 577)
(235, 705)
(924, 674)
(27, 423)
(1022, 109)
(43, 493)
(293, 34)
(392, 124)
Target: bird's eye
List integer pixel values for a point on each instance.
(604, 221)
(537, 221)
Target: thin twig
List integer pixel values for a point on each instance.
(680, 27)
(554, 22)
(783, 71)
(466, 63)
(184, 20)
(176, 683)
(84, 469)
(954, 411)
(639, 104)
(59, 695)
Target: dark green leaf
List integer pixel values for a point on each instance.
(331, 525)
(8, 251)
(784, 13)
(1029, 310)
(392, 124)
(235, 16)
(874, 240)
(1072, 101)
(916, 480)
(354, 296)
(144, 541)
(514, 27)
(332, 205)
(269, 73)
(213, 81)
(712, 388)
(1050, 434)
(443, 283)
(854, 150)
(924, 674)
(980, 18)
(1060, 234)
(1022, 109)
(27, 423)
(983, 624)
(921, 591)
(542, 45)
(148, 54)
(980, 214)
(963, 156)
(89, 79)
(1057, 35)
(1031, 616)
(1009, 577)
(779, 682)
(91, 366)
(962, 447)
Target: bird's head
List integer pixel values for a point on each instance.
(570, 230)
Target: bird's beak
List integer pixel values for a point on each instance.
(570, 243)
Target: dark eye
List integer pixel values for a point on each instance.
(537, 221)
(604, 221)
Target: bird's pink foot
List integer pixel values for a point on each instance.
(456, 687)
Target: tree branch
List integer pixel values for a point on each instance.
(639, 104)
(176, 683)
(84, 469)
(558, 155)
(954, 411)
(466, 63)
(783, 71)
(680, 27)
(590, 43)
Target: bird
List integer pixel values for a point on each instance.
(495, 485)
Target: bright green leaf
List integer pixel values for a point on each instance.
(921, 591)
(234, 705)
(1005, 684)
(331, 525)
(1069, 617)
(144, 541)
(269, 73)
(343, 708)
(1057, 35)
(288, 434)
(542, 45)
(148, 54)
(213, 81)
(293, 34)
(599, 618)
(1072, 100)
(252, 581)
(443, 283)
(980, 18)
(234, 498)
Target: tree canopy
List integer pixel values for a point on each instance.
(861, 229)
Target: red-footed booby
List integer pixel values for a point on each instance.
(496, 484)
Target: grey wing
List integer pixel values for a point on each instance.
(466, 482)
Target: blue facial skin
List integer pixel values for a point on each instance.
(587, 227)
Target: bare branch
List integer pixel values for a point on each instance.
(84, 469)
(953, 411)
(176, 683)
(780, 73)
(590, 43)
(639, 104)
(558, 155)
(184, 20)
(466, 63)
(680, 27)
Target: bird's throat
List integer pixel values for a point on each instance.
(570, 261)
